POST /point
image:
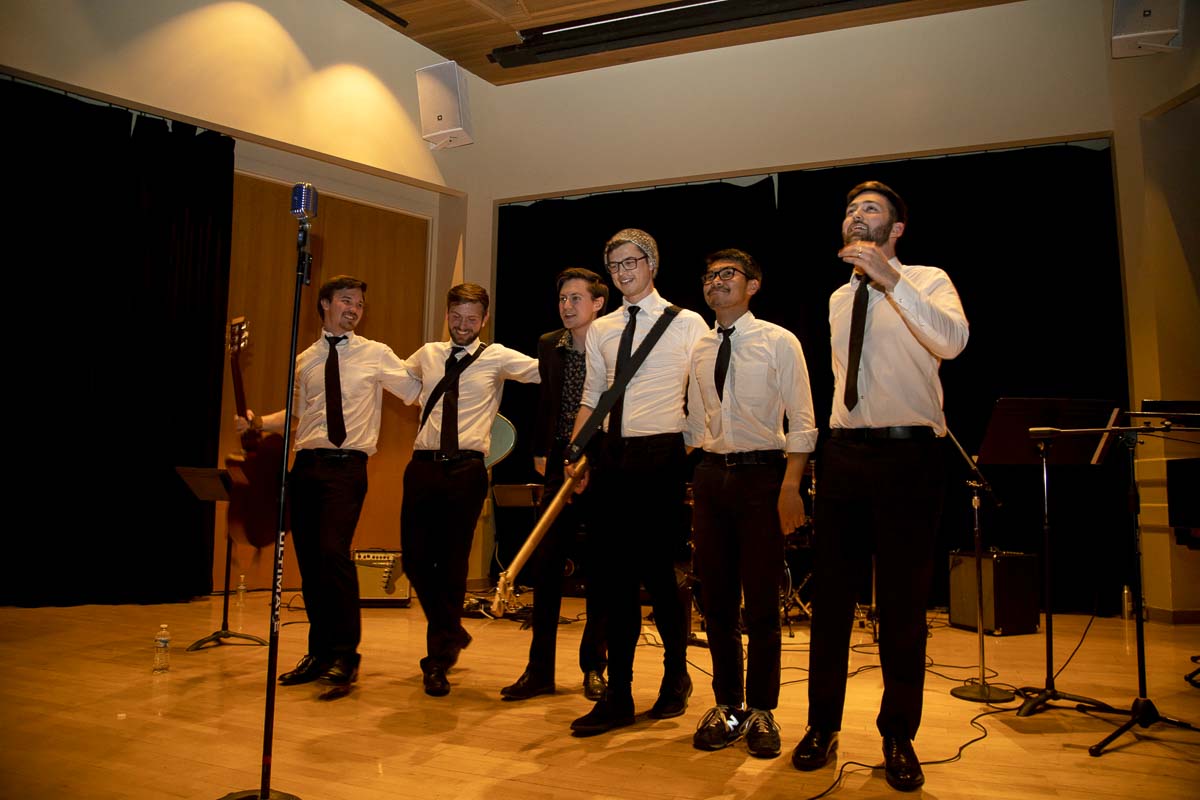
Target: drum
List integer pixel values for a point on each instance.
(504, 439)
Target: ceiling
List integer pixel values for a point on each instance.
(467, 31)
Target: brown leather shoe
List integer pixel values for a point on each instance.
(307, 670)
(815, 750)
(901, 766)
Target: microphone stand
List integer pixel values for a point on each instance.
(303, 278)
(979, 692)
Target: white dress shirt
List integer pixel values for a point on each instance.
(767, 378)
(365, 369)
(654, 398)
(480, 387)
(910, 330)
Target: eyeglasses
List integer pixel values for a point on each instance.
(724, 273)
(625, 264)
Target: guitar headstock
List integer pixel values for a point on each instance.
(239, 335)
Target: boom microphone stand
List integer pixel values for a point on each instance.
(304, 208)
(978, 692)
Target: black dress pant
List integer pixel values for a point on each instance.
(739, 554)
(546, 568)
(442, 501)
(640, 506)
(326, 489)
(879, 497)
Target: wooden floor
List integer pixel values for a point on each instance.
(84, 717)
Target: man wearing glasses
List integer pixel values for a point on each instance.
(639, 480)
(882, 477)
(746, 375)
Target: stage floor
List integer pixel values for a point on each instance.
(84, 717)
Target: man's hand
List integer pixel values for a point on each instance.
(569, 470)
(791, 509)
(248, 422)
(867, 259)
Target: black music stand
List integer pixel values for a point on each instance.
(212, 484)
(1143, 712)
(1013, 424)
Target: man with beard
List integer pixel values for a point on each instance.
(882, 477)
(339, 398)
(746, 375)
(563, 365)
(459, 385)
(639, 480)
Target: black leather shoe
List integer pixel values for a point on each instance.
(307, 670)
(434, 678)
(464, 641)
(343, 671)
(527, 686)
(673, 697)
(594, 685)
(815, 750)
(606, 715)
(901, 765)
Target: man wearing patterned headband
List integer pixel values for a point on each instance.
(639, 480)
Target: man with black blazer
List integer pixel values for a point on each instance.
(562, 365)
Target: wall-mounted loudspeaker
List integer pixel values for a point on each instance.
(445, 117)
(1145, 27)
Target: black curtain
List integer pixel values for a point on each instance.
(120, 235)
(1027, 235)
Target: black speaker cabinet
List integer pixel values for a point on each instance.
(1010, 592)
(375, 574)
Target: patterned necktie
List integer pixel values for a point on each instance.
(858, 325)
(449, 440)
(624, 353)
(335, 424)
(723, 353)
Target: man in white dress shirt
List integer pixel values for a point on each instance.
(639, 481)
(446, 482)
(339, 387)
(747, 374)
(882, 477)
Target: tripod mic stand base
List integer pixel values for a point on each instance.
(218, 637)
(982, 693)
(256, 794)
(1035, 704)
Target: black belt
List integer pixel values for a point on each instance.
(873, 434)
(336, 455)
(745, 458)
(442, 455)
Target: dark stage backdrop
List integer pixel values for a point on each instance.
(1027, 235)
(119, 266)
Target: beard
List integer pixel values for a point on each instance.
(878, 236)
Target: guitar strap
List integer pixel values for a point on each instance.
(444, 383)
(620, 383)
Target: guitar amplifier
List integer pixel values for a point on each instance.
(1010, 592)
(379, 570)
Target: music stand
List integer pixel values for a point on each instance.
(212, 484)
(1014, 422)
(1142, 712)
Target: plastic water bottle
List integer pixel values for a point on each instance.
(162, 649)
(240, 602)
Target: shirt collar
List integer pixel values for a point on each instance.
(350, 337)
(744, 319)
(651, 302)
(470, 349)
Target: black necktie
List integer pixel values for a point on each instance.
(335, 424)
(449, 441)
(722, 360)
(858, 324)
(624, 353)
